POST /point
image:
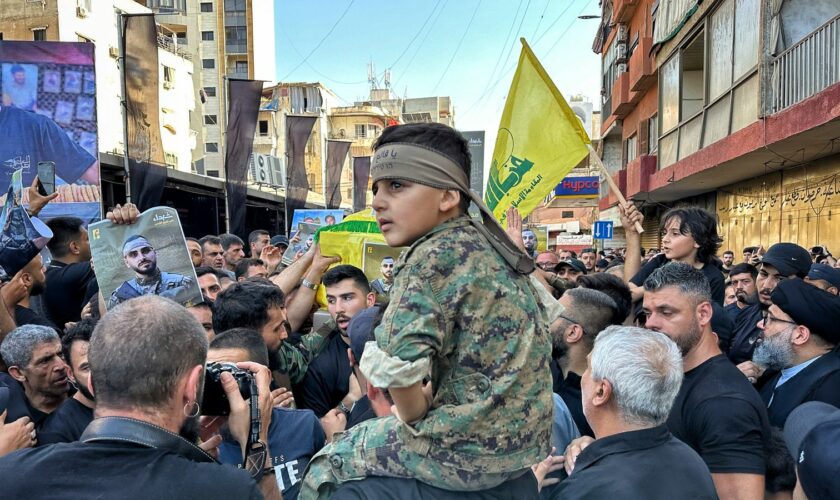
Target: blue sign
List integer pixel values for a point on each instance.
(602, 230)
(578, 186)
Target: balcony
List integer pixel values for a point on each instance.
(170, 45)
(807, 68)
(642, 67)
(639, 172)
(620, 98)
(623, 10)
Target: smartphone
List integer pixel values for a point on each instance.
(46, 177)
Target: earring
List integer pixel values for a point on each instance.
(193, 413)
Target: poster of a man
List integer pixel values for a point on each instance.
(144, 258)
(20, 86)
(383, 284)
(378, 263)
(139, 256)
(530, 240)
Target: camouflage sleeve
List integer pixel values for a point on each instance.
(292, 362)
(412, 330)
(550, 308)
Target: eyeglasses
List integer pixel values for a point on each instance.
(546, 266)
(570, 320)
(767, 318)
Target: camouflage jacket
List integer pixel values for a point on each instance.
(460, 314)
(294, 360)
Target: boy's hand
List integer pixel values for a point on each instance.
(514, 227)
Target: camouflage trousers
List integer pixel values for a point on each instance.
(385, 447)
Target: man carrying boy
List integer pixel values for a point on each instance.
(463, 316)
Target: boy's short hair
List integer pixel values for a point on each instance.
(346, 272)
(436, 136)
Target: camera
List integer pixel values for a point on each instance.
(215, 401)
(820, 250)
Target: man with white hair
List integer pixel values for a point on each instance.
(631, 380)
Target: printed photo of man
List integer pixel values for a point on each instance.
(382, 286)
(139, 255)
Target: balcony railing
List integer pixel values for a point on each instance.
(167, 43)
(807, 68)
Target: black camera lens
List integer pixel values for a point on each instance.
(215, 401)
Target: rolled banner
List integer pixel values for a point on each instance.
(21, 237)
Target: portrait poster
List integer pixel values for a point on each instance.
(49, 103)
(147, 257)
(321, 218)
(306, 235)
(372, 256)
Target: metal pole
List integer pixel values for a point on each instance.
(124, 102)
(224, 160)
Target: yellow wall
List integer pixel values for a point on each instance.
(801, 205)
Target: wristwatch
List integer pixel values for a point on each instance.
(308, 284)
(343, 408)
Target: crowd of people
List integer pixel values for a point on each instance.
(475, 366)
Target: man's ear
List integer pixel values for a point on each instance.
(704, 313)
(573, 335)
(191, 385)
(90, 386)
(801, 335)
(74, 247)
(603, 393)
(370, 300)
(17, 374)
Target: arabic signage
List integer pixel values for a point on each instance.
(578, 187)
(574, 240)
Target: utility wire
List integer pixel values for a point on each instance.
(547, 3)
(315, 70)
(499, 58)
(321, 41)
(416, 35)
(458, 47)
(422, 42)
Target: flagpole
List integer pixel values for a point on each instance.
(613, 187)
(124, 102)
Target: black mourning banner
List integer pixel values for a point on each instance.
(361, 176)
(336, 153)
(147, 170)
(298, 129)
(243, 111)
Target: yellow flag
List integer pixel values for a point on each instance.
(540, 141)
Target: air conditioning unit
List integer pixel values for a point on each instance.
(114, 52)
(278, 167)
(261, 171)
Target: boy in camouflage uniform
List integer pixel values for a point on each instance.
(464, 314)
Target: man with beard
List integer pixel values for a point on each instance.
(382, 286)
(530, 240)
(327, 383)
(728, 259)
(782, 261)
(825, 278)
(799, 334)
(742, 278)
(70, 279)
(139, 255)
(194, 248)
(69, 421)
(234, 249)
(717, 412)
(588, 257)
(148, 387)
(32, 281)
(37, 377)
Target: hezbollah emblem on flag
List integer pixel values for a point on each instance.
(540, 140)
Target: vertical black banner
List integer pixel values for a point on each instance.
(336, 154)
(361, 176)
(243, 111)
(298, 129)
(147, 171)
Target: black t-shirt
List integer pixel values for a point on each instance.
(327, 379)
(18, 405)
(745, 334)
(391, 488)
(721, 416)
(26, 316)
(118, 470)
(648, 463)
(571, 393)
(361, 411)
(711, 271)
(69, 288)
(66, 424)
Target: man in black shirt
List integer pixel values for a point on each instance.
(148, 388)
(37, 373)
(33, 281)
(360, 332)
(327, 381)
(631, 380)
(782, 261)
(742, 276)
(70, 278)
(68, 422)
(586, 313)
(717, 412)
(800, 331)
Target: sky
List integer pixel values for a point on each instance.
(465, 49)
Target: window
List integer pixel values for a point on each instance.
(631, 148)
(211, 147)
(1, 35)
(210, 120)
(236, 39)
(210, 91)
(263, 128)
(39, 34)
(360, 131)
(213, 173)
(567, 214)
(373, 130)
(208, 63)
(206, 7)
(609, 71)
(693, 65)
(207, 36)
(241, 68)
(170, 159)
(168, 75)
(653, 134)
